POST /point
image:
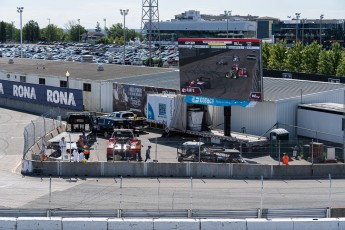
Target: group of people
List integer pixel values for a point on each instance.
(82, 151)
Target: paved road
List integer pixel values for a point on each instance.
(146, 193)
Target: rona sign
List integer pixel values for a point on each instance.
(42, 94)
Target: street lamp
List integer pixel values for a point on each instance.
(48, 29)
(12, 30)
(20, 11)
(321, 17)
(124, 13)
(78, 29)
(227, 13)
(67, 77)
(297, 18)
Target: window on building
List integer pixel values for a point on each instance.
(22, 78)
(42, 81)
(63, 84)
(87, 87)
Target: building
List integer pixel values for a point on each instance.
(96, 90)
(324, 31)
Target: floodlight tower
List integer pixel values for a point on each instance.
(150, 23)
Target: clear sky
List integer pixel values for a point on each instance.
(89, 12)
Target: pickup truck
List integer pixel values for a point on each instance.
(123, 145)
(137, 124)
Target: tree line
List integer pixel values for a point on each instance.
(313, 58)
(73, 32)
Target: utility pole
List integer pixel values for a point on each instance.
(78, 29)
(297, 22)
(20, 11)
(124, 13)
(48, 29)
(321, 17)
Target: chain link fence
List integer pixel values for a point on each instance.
(36, 131)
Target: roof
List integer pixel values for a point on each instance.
(279, 131)
(277, 89)
(324, 107)
(77, 69)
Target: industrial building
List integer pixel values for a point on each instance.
(282, 97)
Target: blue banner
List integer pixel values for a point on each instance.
(41, 94)
(201, 100)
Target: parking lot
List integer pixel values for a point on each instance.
(135, 54)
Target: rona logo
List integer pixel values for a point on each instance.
(24, 92)
(1, 89)
(63, 98)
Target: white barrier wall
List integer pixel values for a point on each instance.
(270, 224)
(187, 224)
(39, 223)
(219, 224)
(84, 223)
(130, 224)
(58, 223)
(319, 224)
(8, 223)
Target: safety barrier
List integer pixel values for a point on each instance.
(58, 223)
(195, 170)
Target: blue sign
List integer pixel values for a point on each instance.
(48, 95)
(201, 100)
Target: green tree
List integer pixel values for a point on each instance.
(105, 40)
(98, 27)
(11, 32)
(323, 65)
(341, 66)
(265, 54)
(294, 58)
(31, 31)
(310, 57)
(2, 32)
(334, 57)
(116, 31)
(277, 56)
(52, 33)
(75, 31)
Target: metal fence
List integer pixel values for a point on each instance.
(36, 131)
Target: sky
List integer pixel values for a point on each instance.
(61, 12)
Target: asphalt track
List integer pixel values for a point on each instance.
(147, 193)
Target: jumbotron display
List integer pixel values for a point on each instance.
(221, 68)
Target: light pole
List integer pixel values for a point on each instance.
(105, 23)
(20, 11)
(12, 29)
(227, 13)
(303, 22)
(48, 29)
(297, 18)
(78, 29)
(124, 13)
(67, 77)
(321, 17)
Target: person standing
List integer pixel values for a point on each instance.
(148, 152)
(62, 145)
(80, 144)
(285, 159)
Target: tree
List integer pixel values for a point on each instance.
(323, 65)
(11, 32)
(294, 58)
(341, 66)
(52, 33)
(277, 56)
(2, 32)
(105, 40)
(98, 27)
(31, 31)
(74, 30)
(265, 54)
(310, 57)
(334, 57)
(116, 31)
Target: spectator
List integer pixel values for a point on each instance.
(80, 144)
(148, 151)
(62, 145)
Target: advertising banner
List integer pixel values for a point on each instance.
(42, 94)
(221, 68)
(134, 97)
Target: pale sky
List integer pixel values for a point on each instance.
(91, 11)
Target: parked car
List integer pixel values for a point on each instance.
(106, 125)
(124, 145)
(137, 124)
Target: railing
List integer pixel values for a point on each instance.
(155, 213)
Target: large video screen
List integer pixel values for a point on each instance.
(221, 68)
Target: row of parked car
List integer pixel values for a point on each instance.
(135, 54)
